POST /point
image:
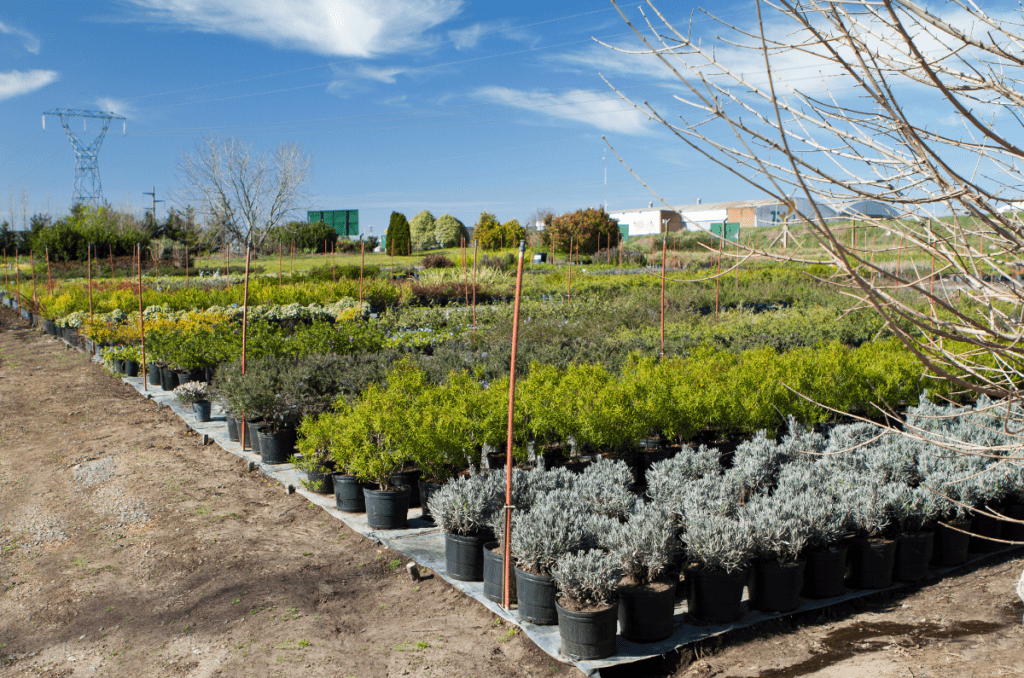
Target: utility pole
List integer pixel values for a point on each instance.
(155, 201)
(88, 190)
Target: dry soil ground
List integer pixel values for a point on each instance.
(127, 548)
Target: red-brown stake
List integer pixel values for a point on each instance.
(508, 440)
(7, 280)
(142, 321)
(111, 248)
(280, 263)
(476, 246)
(718, 273)
(186, 265)
(664, 249)
(362, 262)
(245, 322)
(570, 270)
(88, 273)
(49, 279)
(32, 263)
(334, 268)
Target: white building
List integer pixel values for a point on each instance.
(647, 221)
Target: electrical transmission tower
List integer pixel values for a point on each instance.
(88, 190)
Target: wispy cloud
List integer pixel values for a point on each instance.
(470, 36)
(608, 113)
(29, 41)
(16, 83)
(359, 28)
(116, 106)
(380, 74)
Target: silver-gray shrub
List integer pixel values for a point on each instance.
(557, 524)
(954, 493)
(665, 477)
(465, 505)
(717, 543)
(588, 577)
(873, 510)
(718, 494)
(916, 508)
(759, 461)
(778, 528)
(605, 487)
(644, 546)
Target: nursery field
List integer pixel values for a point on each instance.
(129, 548)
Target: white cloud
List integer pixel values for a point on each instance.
(605, 112)
(115, 106)
(30, 41)
(379, 74)
(359, 28)
(467, 38)
(16, 83)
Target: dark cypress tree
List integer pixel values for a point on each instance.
(398, 234)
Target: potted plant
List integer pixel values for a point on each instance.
(606, 486)
(780, 533)
(916, 510)
(587, 609)
(643, 548)
(558, 523)
(873, 513)
(954, 493)
(329, 432)
(194, 394)
(314, 456)
(463, 508)
(826, 524)
(720, 550)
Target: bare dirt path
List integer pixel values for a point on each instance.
(127, 548)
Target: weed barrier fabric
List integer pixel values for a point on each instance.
(423, 542)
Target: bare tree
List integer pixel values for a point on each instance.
(867, 125)
(246, 194)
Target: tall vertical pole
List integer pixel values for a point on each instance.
(7, 280)
(570, 269)
(664, 249)
(49, 278)
(293, 262)
(334, 268)
(142, 321)
(392, 259)
(899, 254)
(465, 271)
(111, 249)
(508, 441)
(245, 323)
(476, 247)
(280, 264)
(17, 274)
(88, 273)
(156, 264)
(32, 263)
(224, 246)
(362, 263)
(718, 273)
(186, 265)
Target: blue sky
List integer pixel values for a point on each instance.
(446, 105)
(403, 105)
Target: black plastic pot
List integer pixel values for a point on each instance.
(154, 374)
(646, 615)
(873, 562)
(410, 479)
(202, 410)
(775, 587)
(494, 574)
(131, 368)
(950, 546)
(232, 428)
(536, 594)
(168, 379)
(387, 509)
(348, 493)
(253, 438)
(321, 482)
(715, 597)
(825, 572)
(913, 553)
(464, 555)
(277, 447)
(1014, 531)
(426, 490)
(985, 526)
(587, 635)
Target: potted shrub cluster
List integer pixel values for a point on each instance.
(195, 395)
(586, 605)
(780, 532)
(719, 549)
(642, 548)
(463, 509)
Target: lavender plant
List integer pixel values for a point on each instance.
(916, 508)
(555, 525)
(588, 578)
(644, 546)
(717, 543)
(664, 478)
(605, 487)
(465, 505)
(778, 528)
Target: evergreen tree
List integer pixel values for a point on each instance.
(449, 231)
(399, 237)
(422, 228)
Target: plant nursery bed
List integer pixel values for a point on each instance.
(424, 543)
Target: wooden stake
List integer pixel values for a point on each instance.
(186, 266)
(362, 263)
(570, 269)
(664, 250)
(88, 273)
(111, 247)
(476, 245)
(718, 276)
(509, 438)
(245, 323)
(32, 263)
(142, 322)
(280, 264)
(334, 269)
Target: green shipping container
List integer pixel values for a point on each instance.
(732, 231)
(344, 222)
